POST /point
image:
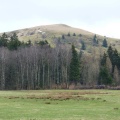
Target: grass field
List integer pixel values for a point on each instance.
(60, 105)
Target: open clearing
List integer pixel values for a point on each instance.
(60, 105)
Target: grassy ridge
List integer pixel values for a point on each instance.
(55, 30)
(53, 33)
(60, 105)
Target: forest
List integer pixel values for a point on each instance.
(24, 65)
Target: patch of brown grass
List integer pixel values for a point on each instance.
(60, 97)
(116, 108)
(74, 95)
(13, 97)
(104, 100)
(47, 103)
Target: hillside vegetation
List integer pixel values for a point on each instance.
(58, 56)
(52, 33)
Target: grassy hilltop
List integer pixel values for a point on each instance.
(53, 34)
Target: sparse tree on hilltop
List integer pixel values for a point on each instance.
(83, 46)
(68, 34)
(105, 43)
(63, 37)
(95, 41)
(74, 34)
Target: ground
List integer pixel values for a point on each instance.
(60, 105)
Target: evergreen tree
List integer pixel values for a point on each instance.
(94, 38)
(3, 40)
(74, 34)
(110, 52)
(104, 75)
(68, 34)
(14, 43)
(118, 62)
(74, 66)
(103, 60)
(63, 37)
(105, 43)
(115, 57)
(43, 43)
(83, 46)
(115, 60)
(80, 35)
(112, 56)
(95, 41)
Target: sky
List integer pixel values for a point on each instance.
(98, 16)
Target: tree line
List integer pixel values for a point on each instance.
(39, 66)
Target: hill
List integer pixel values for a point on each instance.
(53, 34)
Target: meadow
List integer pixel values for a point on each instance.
(60, 105)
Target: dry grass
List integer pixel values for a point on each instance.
(60, 96)
(56, 30)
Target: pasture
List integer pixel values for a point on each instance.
(60, 105)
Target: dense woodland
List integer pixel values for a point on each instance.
(40, 66)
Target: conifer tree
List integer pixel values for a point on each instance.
(95, 39)
(74, 34)
(14, 43)
(105, 43)
(115, 58)
(110, 52)
(103, 60)
(4, 40)
(63, 37)
(42, 43)
(104, 75)
(74, 66)
(83, 46)
(68, 34)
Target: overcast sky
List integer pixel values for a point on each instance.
(99, 16)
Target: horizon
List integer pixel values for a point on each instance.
(99, 17)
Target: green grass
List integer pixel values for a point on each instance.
(60, 105)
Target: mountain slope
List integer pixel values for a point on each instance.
(53, 33)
